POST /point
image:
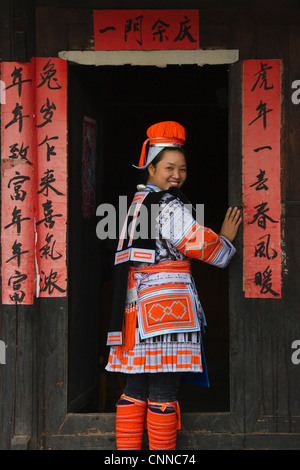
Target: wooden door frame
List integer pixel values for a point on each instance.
(59, 429)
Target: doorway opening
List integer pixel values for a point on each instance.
(124, 102)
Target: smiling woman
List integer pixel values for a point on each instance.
(157, 322)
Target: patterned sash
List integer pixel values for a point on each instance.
(161, 309)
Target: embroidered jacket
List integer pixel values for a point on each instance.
(181, 232)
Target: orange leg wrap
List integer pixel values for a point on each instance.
(163, 420)
(130, 418)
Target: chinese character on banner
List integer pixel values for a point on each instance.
(261, 178)
(146, 29)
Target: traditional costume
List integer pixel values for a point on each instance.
(157, 319)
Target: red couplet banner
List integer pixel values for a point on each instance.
(146, 29)
(51, 191)
(33, 179)
(261, 178)
(17, 184)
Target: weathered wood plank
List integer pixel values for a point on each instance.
(5, 31)
(7, 375)
(185, 442)
(25, 380)
(272, 441)
(60, 29)
(236, 301)
(52, 362)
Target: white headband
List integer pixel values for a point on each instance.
(153, 151)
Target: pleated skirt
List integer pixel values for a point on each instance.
(179, 352)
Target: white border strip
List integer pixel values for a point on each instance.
(153, 58)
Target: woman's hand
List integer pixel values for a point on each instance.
(231, 223)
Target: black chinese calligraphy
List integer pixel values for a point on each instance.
(49, 283)
(184, 31)
(49, 216)
(107, 28)
(48, 249)
(261, 215)
(159, 29)
(262, 249)
(19, 152)
(262, 77)
(259, 149)
(16, 183)
(134, 25)
(15, 282)
(262, 113)
(261, 180)
(47, 111)
(18, 117)
(48, 77)
(17, 252)
(264, 279)
(16, 220)
(47, 184)
(50, 148)
(18, 80)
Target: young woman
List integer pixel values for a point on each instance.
(157, 318)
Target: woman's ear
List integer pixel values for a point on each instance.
(151, 170)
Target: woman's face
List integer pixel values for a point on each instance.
(170, 171)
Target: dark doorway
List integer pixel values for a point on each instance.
(125, 101)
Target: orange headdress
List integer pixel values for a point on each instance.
(160, 135)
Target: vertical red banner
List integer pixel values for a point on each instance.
(17, 183)
(50, 88)
(261, 178)
(33, 179)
